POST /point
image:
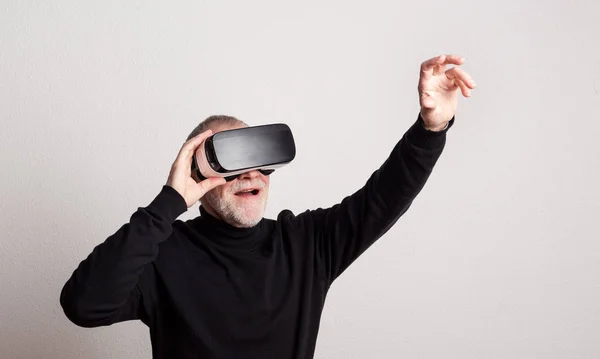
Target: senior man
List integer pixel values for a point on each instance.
(232, 284)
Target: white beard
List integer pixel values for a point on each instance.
(238, 215)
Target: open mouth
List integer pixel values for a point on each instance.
(251, 192)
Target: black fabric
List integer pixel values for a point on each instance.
(209, 290)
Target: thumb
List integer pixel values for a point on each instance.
(428, 102)
(210, 183)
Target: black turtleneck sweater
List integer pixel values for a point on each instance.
(209, 290)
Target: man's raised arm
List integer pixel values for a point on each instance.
(346, 230)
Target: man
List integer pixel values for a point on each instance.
(231, 284)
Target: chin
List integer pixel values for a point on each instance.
(247, 217)
(243, 215)
(245, 224)
(238, 212)
(240, 220)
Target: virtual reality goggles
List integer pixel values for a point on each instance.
(233, 152)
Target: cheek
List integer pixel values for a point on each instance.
(224, 190)
(266, 180)
(218, 192)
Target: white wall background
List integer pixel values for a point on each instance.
(499, 256)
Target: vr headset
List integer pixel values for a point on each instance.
(233, 152)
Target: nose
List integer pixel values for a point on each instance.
(249, 175)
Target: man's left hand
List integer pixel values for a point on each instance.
(438, 90)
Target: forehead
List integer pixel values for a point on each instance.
(224, 127)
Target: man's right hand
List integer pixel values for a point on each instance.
(180, 177)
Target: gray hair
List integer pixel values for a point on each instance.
(215, 120)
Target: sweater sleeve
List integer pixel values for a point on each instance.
(104, 289)
(344, 231)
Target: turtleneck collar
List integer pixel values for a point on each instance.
(222, 233)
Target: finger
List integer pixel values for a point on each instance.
(428, 102)
(466, 91)
(193, 142)
(439, 69)
(460, 79)
(458, 83)
(210, 183)
(454, 60)
(188, 148)
(462, 75)
(428, 66)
